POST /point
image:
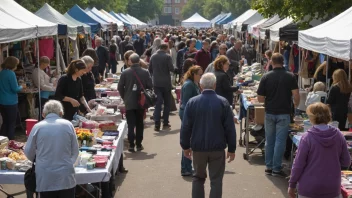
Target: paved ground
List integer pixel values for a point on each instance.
(155, 172)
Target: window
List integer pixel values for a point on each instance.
(177, 1)
(167, 10)
(167, 1)
(177, 10)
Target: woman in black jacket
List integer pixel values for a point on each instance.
(223, 81)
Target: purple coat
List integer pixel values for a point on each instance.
(317, 166)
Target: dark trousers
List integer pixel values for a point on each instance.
(113, 65)
(67, 193)
(135, 121)
(42, 103)
(9, 117)
(163, 96)
(95, 71)
(216, 162)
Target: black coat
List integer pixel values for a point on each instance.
(223, 86)
(103, 56)
(139, 46)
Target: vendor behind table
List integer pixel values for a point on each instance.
(8, 96)
(70, 90)
(42, 81)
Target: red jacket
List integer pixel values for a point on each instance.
(203, 58)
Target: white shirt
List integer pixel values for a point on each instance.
(173, 55)
(45, 84)
(314, 97)
(53, 142)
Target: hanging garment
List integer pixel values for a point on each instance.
(46, 47)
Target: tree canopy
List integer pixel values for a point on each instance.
(301, 10)
(141, 9)
(211, 8)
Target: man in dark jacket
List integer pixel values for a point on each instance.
(130, 90)
(123, 45)
(203, 56)
(234, 55)
(160, 66)
(139, 45)
(103, 55)
(209, 120)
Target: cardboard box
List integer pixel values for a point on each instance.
(259, 115)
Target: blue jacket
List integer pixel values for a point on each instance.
(208, 124)
(199, 45)
(8, 87)
(188, 91)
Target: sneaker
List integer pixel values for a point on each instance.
(131, 149)
(156, 128)
(140, 148)
(166, 126)
(268, 171)
(186, 174)
(279, 174)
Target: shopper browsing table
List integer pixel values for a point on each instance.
(208, 119)
(8, 96)
(53, 145)
(276, 89)
(42, 80)
(321, 153)
(70, 90)
(190, 88)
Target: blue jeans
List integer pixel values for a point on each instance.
(276, 132)
(163, 96)
(186, 164)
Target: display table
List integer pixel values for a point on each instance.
(83, 176)
(116, 117)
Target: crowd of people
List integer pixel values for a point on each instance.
(204, 63)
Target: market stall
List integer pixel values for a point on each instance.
(196, 21)
(12, 172)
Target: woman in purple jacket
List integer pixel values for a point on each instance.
(321, 153)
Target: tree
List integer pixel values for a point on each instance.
(192, 7)
(145, 9)
(64, 5)
(301, 10)
(212, 8)
(237, 7)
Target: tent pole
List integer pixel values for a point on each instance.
(58, 68)
(349, 70)
(299, 69)
(327, 71)
(39, 96)
(67, 51)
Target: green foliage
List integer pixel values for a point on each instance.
(211, 8)
(145, 9)
(64, 5)
(192, 7)
(301, 10)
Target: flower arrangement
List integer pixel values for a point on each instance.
(84, 134)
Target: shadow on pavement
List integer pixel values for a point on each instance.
(230, 172)
(162, 133)
(119, 178)
(256, 159)
(280, 183)
(188, 179)
(139, 156)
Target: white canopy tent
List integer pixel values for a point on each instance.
(260, 30)
(139, 23)
(196, 21)
(17, 15)
(52, 15)
(251, 27)
(251, 16)
(274, 29)
(242, 17)
(118, 22)
(332, 38)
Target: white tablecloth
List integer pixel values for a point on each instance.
(83, 176)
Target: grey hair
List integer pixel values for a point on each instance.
(134, 58)
(87, 60)
(53, 106)
(99, 39)
(208, 81)
(127, 38)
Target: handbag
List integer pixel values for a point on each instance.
(147, 97)
(29, 178)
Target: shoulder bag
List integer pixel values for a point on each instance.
(147, 97)
(29, 178)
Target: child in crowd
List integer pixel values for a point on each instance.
(321, 153)
(317, 95)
